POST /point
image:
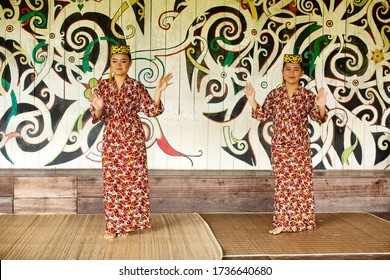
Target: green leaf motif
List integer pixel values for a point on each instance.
(347, 152)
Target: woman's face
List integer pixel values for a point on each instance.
(292, 72)
(120, 64)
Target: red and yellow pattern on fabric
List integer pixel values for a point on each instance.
(124, 158)
(291, 156)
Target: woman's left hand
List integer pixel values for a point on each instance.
(321, 102)
(164, 82)
(321, 98)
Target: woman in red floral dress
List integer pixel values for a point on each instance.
(289, 107)
(117, 102)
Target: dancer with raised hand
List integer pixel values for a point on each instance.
(117, 101)
(289, 107)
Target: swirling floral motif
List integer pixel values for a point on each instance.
(239, 148)
(52, 52)
(5, 137)
(154, 134)
(377, 56)
(73, 48)
(80, 3)
(165, 20)
(89, 88)
(327, 50)
(114, 21)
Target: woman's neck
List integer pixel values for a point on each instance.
(119, 81)
(291, 88)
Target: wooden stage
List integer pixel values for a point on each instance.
(80, 237)
(353, 216)
(339, 236)
(181, 236)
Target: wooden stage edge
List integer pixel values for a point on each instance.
(79, 191)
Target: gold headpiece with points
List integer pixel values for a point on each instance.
(292, 58)
(120, 49)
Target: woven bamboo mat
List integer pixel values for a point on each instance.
(338, 236)
(80, 237)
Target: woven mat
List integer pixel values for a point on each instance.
(338, 236)
(80, 237)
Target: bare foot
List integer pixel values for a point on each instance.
(277, 230)
(310, 228)
(108, 235)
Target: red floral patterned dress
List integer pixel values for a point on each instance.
(124, 159)
(291, 156)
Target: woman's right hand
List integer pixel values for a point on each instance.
(97, 104)
(96, 101)
(249, 91)
(250, 94)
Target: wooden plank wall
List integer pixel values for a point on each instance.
(45, 194)
(6, 194)
(80, 191)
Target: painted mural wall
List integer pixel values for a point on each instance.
(52, 54)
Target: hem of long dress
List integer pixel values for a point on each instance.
(289, 229)
(128, 231)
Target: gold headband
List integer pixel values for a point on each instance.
(120, 49)
(292, 58)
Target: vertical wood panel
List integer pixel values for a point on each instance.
(90, 195)
(45, 205)
(6, 186)
(45, 187)
(45, 195)
(6, 205)
(6, 195)
(386, 186)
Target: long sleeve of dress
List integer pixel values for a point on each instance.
(147, 104)
(264, 112)
(314, 111)
(92, 109)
